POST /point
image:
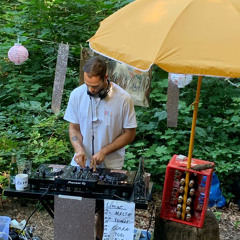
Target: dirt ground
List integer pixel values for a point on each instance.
(228, 218)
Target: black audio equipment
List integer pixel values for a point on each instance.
(71, 179)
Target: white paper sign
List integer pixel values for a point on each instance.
(181, 80)
(119, 218)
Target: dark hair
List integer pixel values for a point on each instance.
(95, 66)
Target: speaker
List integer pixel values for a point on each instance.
(102, 93)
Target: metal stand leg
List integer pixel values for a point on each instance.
(47, 205)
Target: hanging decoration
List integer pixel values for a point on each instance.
(18, 53)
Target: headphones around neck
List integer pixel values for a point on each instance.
(102, 93)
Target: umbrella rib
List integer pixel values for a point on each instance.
(232, 4)
(172, 27)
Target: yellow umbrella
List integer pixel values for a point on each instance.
(200, 37)
(180, 36)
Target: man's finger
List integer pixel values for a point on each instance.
(93, 164)
(77, 160)
(84, 161)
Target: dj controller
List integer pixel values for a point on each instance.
(66, 179)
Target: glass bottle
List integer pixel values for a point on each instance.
(139, 183)
(13, 171)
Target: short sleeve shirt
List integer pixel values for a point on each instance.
(104, 119)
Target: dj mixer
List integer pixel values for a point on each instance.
(71, 179)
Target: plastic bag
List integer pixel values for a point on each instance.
(216, 197)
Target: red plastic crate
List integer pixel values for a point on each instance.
(175, 172)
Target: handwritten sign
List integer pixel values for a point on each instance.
(119, 217)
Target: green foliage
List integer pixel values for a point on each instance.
(237, 224)
(30, 129)
(3, 181)
(218, 215)
(217, 131)
(27, 125)
(34, 133)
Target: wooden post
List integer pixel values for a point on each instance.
(60, 75)
(172, 104)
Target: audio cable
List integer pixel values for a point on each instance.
(37, 206)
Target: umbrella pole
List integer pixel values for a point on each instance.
(190, 150)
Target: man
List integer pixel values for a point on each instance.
(101, 119)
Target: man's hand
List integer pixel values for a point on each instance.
(80, 158)
(76, 140)
(97, 159)
(121, 141)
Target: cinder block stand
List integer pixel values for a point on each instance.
(74, 218)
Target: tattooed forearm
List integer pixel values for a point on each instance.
(74, 138)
